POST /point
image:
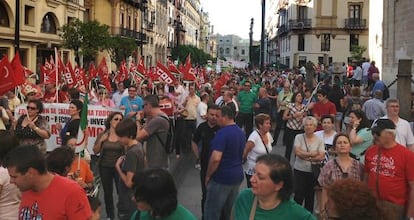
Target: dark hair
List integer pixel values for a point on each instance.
(322, 92)
(293, 99)
(340, 135)
(228, 112)
(280, 171)
(59, 160)
(38, 103)
(25, 157)
(126, 128)
(364, 120)
(74, 93)
(328, 116)
(157, 188)
(109, 119)
(153, 100)
(8, 141)
(78, 104)
(344, 192)
(213, 107)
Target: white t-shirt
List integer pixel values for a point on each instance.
(316, 146)
(258, 150)
(9, 197)
(365, 67)
(201, 111)
(326, 140)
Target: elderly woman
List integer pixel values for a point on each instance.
(293, 114)
(351, 199)
(156, 197)
(341, 167)
(309, 150)
(258, 143)
(109, 148)
(33, 128)
(269, 197)
(360, 134)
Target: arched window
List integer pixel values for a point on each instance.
(4, 17)
(48, 24)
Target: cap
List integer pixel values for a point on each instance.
(382, 124)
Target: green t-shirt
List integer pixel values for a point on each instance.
(246, 100)
(366, 136)
(180, 213)
(285, 210)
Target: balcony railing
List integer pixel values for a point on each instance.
(140, 38)
(355, 23)
(300, 24)
(283, 29)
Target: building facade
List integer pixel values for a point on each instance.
(321, 31)
(39, 23)
(232, 48)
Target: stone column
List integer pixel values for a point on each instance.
(404, 88)
(310, 75)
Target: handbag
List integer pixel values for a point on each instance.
(316, 167)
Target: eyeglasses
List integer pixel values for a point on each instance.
(31, 108)
(117, 119)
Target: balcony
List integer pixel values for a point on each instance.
(150, 26)
(355, 24)
(283, 29)
(300, 24)
(140, 38)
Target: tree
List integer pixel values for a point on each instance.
(198, 57)
(120, 48)
(85, 38)
(357, 51)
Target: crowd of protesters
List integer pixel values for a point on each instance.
(231, 122)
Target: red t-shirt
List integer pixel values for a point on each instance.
(62, 199)
(321, 109)
(396, 169)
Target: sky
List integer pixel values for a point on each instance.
(233, 16)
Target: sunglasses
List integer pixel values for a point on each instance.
(117, 119)
(31, 108)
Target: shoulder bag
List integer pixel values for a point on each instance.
(316, 167)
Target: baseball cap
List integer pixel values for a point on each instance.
(382, 124)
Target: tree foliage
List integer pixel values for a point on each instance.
(121, 48)
(357, 52)
(85, 38)
(198, 56)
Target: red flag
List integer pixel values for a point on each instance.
(92, 73)
(202, 76)
(81, 79)
(162, 73)
(122, 73)
(17, 66)
(29, 87)
(48, 72)
(103, 74)
(69, 76)
(172, 67)
(141, 68)
(61, 66)
(27, 72)
(7, 80)
(132, 67)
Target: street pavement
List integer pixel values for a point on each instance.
(187, 179)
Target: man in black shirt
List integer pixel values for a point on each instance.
(202, 137)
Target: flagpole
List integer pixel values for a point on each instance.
(57, 77)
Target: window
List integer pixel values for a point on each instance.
(48, 24)
(354, 11)
(227, 50)
(325, 42)
(121, 20)
(70, 19)
(3, 51)
(29, 15)
(353, 41)
(243, 51)
(4, 17)
(302, 12)
(301, 42)
(221, 50)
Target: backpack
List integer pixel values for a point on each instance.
(168, 144)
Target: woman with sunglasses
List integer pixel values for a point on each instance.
(104, 99)
(109, 148)
(32, 128)
(341, 167)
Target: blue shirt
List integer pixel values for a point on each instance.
(132, 105)
(379, 85)
(231, 141)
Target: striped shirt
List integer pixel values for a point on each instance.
(295, 123)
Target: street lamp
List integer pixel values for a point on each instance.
(196, 37)
(17, 28)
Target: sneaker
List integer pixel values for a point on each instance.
(197, 165)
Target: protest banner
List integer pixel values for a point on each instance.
(59, 113)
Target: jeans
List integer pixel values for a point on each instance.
(289, 138)
(190, 126)
(108, 176)
(220, 199)
(245, 120)
(280, 124)
(305, 183)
